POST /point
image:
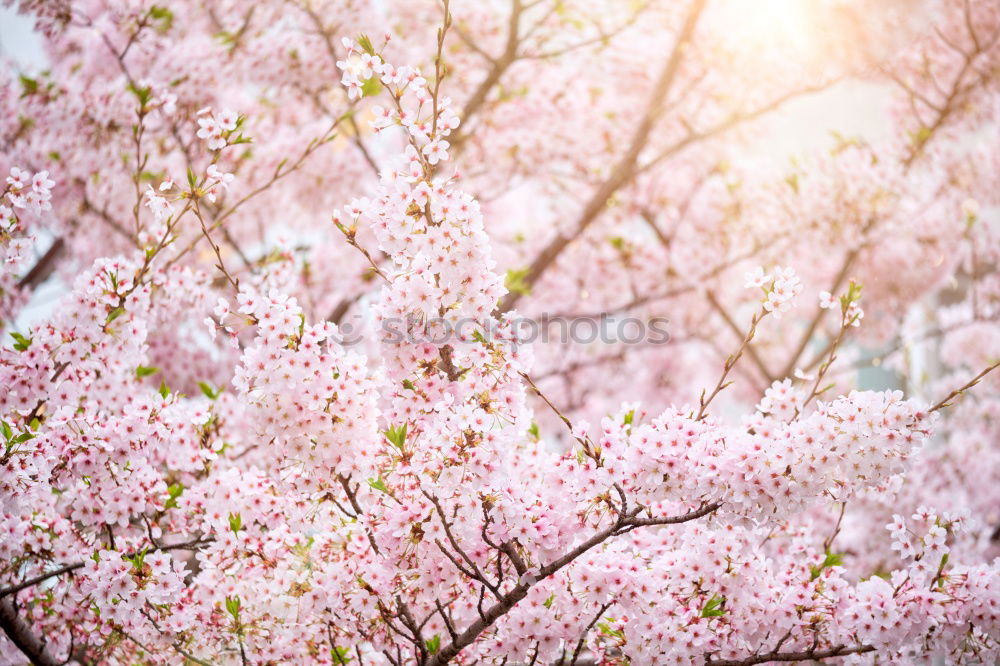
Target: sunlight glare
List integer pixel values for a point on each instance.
(772, 23)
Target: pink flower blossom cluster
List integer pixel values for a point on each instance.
(218, 447)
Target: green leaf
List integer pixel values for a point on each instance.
(209, 392)
(548, 602)
(433, 644)
(235, 522)
(233, 607)
(164, 389)
(940, 575)
(831, 560)
(606, 629)
(137, 559)
(342, 655)
(397, 435)
(921, 136)
(533, 431)
(7, 432)
(143, 94)
(146, 371)
(408, 385)
(629, 417)
(21, 343)
(225, 38)
(174, 491)
(163, 15)
(378, 484)
(366, 44)
(114, 314)
(371, 87)
(29, 85)
(793, 182)
(515, 281)
(713, 607)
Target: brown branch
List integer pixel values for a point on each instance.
(603, 38)
(497, 69)
(235, 282)
(959, 391)
(334, 57)
(352, 497)
(66, 568)
(44, 267)
(627, 166)
(574, 660)
(750, 349)
(477, 574)
(448, 364)
(20, 634)
(106, 218)
(952, 100)
(342, 307)
(845, 323)
(280, 171)
(729, 365)
(624, 523)
(838, 281)
(562, 417)
(807, 655)
(447, 619)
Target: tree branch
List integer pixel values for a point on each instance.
(20, 634)
(626, 167)
(624, 523)
(66, 568)
(959, 391)
(807, 655)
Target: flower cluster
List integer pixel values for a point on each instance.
(273, 495)
(314, 404)
(780, 289)
(851, 310)
(216, 128)
(26, 191)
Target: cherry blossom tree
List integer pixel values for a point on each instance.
(285, 410)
